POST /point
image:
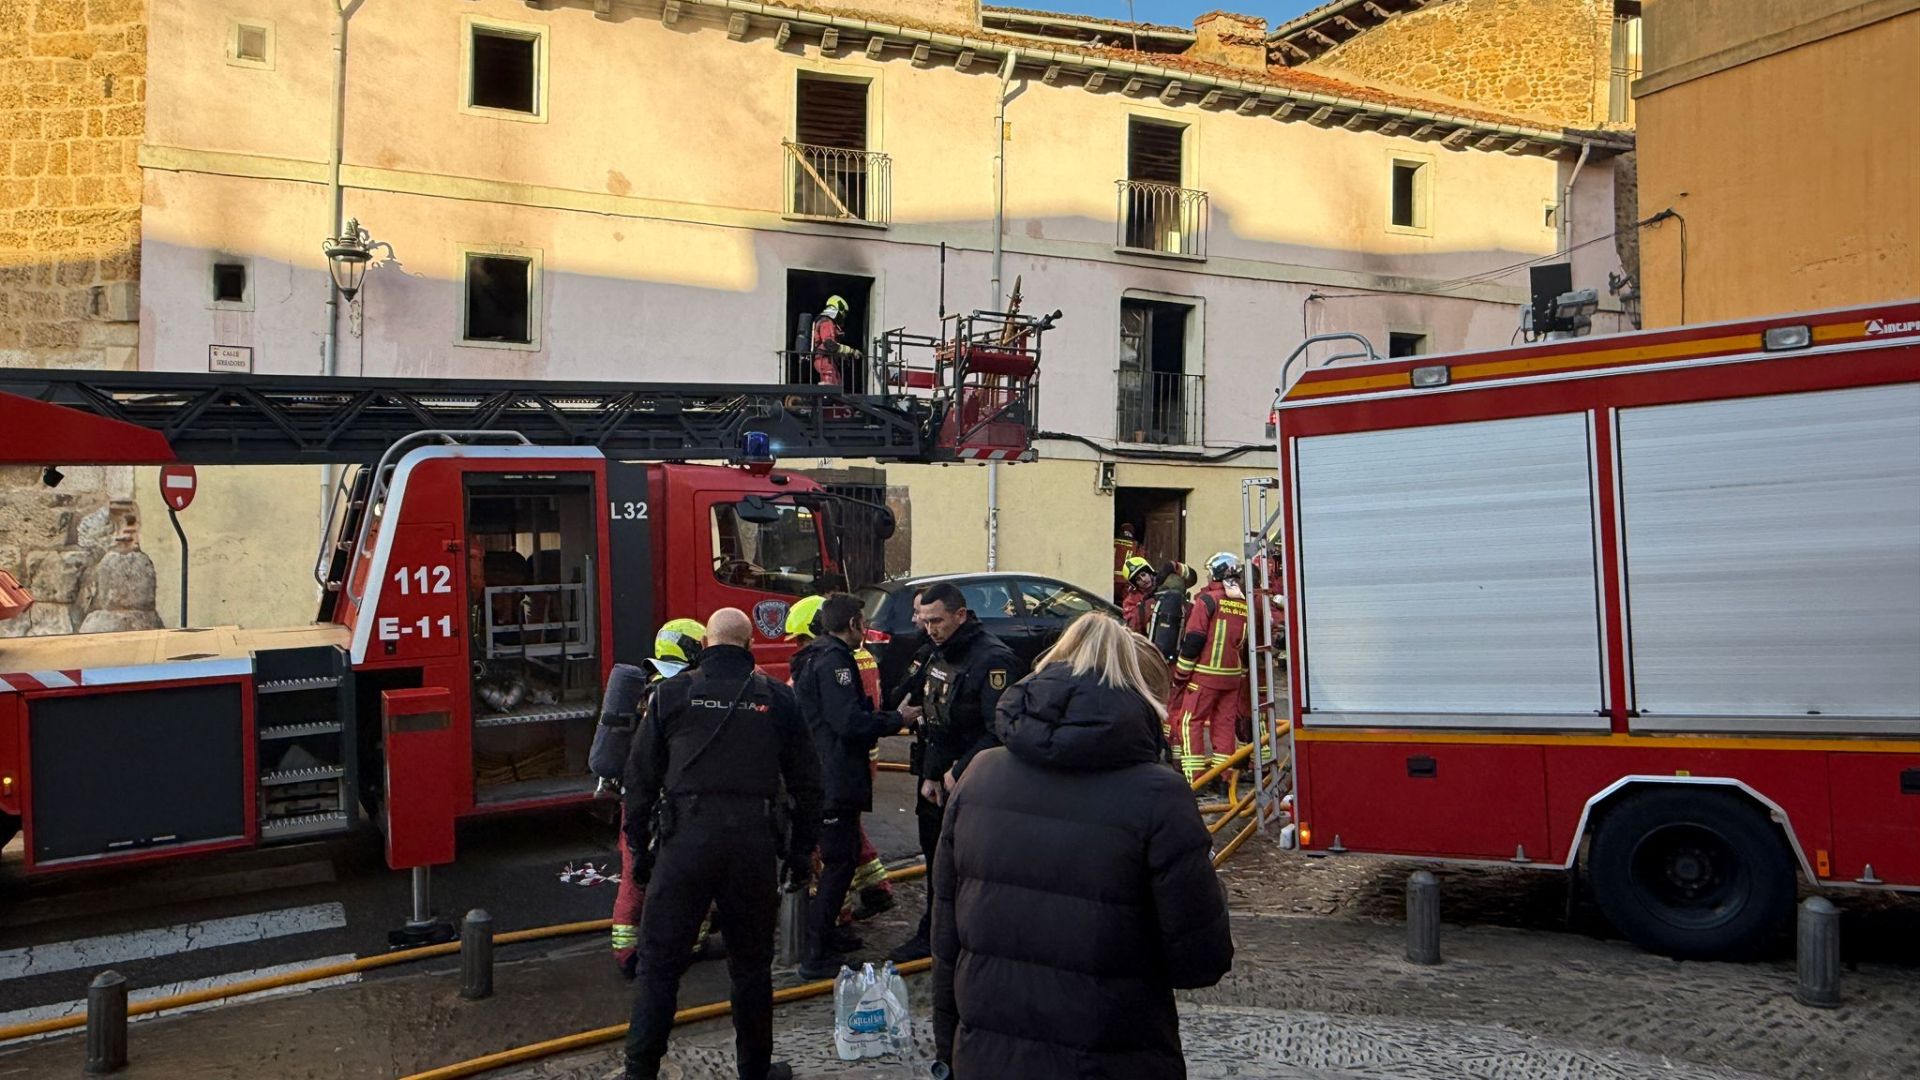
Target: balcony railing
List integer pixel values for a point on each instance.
(1160, 407)
(1162, 218)
(835, 184)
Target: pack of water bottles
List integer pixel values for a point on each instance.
(870, 1014)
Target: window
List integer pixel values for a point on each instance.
(1550, 216)
(1409, 208)
(1051, 600)
(1405, 344)
(250, 44)
(1156, 212)
(807, 293)
(505, 70)
(1159, 402)
(780, 556)
(1626, 62)
(833, 174)
(991, 600)
(500, 299)
(230, 288)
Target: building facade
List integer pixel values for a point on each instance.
(1773, 142)
(655, 191)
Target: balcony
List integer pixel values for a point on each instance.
(1162, 219)
(828, 183)
(1160, 407)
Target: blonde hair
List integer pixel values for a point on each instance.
(1101, 643)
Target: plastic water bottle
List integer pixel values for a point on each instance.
(846, 998)
(869, 1020)
(900, 1013)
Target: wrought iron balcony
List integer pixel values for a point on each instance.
(1162, 218)
(1160, 407)
(835, 184)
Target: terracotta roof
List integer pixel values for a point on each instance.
(1276, 77)
(1092, 20)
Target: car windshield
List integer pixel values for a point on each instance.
(780, 556)
(1050, 599)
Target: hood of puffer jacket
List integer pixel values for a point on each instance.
(1066, 721)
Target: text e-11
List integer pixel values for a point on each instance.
(426, 626)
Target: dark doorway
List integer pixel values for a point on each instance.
(1159, 520)
(807, 292)
(1158, 401)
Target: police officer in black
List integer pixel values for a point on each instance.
(959, 690)
(845, 727)
(718, 742)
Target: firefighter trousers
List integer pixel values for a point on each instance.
(721, 853)
(1203, 725)
(627, 901)
(839, 858)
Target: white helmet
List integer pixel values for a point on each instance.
(1224, 566)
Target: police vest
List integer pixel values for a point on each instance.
(709, 753)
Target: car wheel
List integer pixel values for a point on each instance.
(1692, 874)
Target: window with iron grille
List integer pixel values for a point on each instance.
(833, 173)
(1156, 212)
(1159, 401)
(1626, 63)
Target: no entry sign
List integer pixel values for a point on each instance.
(177, 485)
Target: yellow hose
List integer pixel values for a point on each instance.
(1233, 845)
(1237, 810)
(534, 1051)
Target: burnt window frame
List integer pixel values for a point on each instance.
(530, 256)
(472, 26)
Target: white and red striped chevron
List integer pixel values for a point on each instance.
(39, 680)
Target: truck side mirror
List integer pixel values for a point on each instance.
(884, 525)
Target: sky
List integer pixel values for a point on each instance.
(1172, 12)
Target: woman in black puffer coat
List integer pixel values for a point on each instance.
(1073, 887)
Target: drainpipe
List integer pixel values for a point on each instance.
(1566, 198)
(999, 246)
(336, 206)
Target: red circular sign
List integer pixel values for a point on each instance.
(177, 485)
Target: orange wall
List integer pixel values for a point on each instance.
(1798, 175)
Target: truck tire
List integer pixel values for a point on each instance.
(1692, 874)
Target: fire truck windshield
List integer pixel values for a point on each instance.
(780, 556)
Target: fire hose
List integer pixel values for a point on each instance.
(345, 967)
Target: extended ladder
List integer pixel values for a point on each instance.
(1265, 588)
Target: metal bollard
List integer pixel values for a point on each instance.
(1423, 918)
(107, 1023)
(476, 955)
(1818, 954)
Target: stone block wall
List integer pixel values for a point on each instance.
(72, 112)
(1547, 60)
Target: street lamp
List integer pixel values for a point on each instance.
(347, 257)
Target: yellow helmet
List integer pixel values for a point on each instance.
(1135, 566)
(801, 615)
(679, 640)
(836, 307)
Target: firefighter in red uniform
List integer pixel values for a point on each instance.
(827, 350)
(1210, 677)
(1124, 548)
(1134, 606)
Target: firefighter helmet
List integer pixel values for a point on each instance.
(679, 640)
(1224, 566)
(801, 615)
(1136, 566)
(836, 308)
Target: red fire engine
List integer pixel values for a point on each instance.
(495, 549)
(1645, 605)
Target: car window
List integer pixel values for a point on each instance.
(872, 599)
(1052, 600)
(781, 556)
(992, 599)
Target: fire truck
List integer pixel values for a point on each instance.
(494, 548)
(1645, 607)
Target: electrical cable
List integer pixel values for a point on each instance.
(1224, 454)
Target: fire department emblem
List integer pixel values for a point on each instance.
(997, 679)
(770, 617)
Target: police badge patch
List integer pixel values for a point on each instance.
(844, 676)
(770, 618)
(997, 679)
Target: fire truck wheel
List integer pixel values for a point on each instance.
(1692, 874)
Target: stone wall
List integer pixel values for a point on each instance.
(1547, 60)
(72, 110)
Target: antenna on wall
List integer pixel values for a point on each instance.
(1134, 26)
(943, 281)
